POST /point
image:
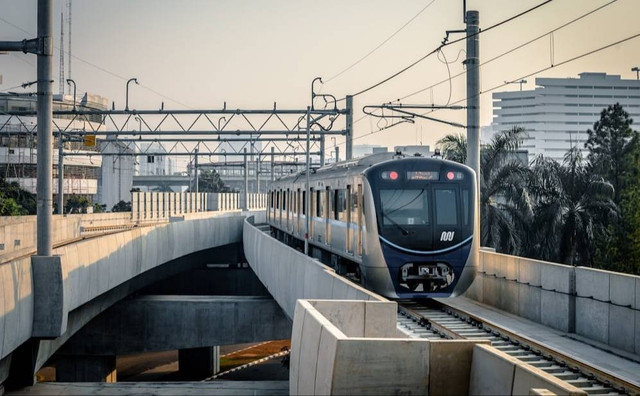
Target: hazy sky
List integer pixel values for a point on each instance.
(251, 53)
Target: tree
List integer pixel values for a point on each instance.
(210, 181)
(454, 147)
(98, 208)
(122, 206)
(610, 145)
(572, 206)
(505, 209)
(15, 201)
(77, 203)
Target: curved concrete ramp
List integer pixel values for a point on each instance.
(290, 275)
(36, 298)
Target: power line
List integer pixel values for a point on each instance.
(575, 58)
(434, 51)
(102, 69)
(381, 44)
(511, 50)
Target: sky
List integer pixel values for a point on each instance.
(252, 53)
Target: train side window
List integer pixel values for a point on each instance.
(354, 205)
(278, 199)
(312, 202)
(285, 199)
(465, 206)
(335, 204)
(304, 203)
(319, 204)
(341, 205)
(446, 205)
(327, 201)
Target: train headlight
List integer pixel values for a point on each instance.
(390, 175)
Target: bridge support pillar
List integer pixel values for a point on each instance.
(86, 368)
(197, 363)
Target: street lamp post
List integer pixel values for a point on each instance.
(70, 81)
(126, 106)
(637, 70)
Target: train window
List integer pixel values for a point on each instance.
(278, 199)
(446, 204)
(284, 199)
(304, 202)
(333, 207)
(465, 206)
(319, 203)
(341, 205)
(354, 205)
(404, 207)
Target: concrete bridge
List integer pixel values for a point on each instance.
(89, 291)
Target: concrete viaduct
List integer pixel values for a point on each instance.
(130, 291)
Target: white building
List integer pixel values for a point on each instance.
(360, 150)
(88, 175)
(559, 111)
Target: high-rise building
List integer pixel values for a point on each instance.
(559, 111)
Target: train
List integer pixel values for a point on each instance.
(404, 226)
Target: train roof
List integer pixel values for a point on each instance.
(348, 167)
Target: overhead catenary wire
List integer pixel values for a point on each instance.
(511, 50)
(381, 44)
(102, 69)
(435, 51)
(562, 63)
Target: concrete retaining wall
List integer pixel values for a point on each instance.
(158, 206)
(290, 275)
(601, 305)
(348, 347)
(92, 267)
(18, 233)
(496, 373)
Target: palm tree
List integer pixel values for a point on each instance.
(571, 205)
(505, 208)
(454, 147)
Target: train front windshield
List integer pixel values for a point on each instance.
(423, 209)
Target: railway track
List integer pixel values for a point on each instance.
(434, 320)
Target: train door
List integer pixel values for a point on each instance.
(349, 232)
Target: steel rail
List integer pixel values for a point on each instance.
(449, 322)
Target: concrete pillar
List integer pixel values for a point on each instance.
(86, 368)
(198, 363)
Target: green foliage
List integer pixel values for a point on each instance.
(210, 181)
(76, 204)
(15, 201)
(453, 147)
(122, 206)
(571, 207)
(97, 208)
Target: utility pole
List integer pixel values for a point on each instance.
(307, 186)
(273, 164)
(197, 182)
(349, 128)
(246, 182)
(60, 175)
(473, 93)
(44, 191)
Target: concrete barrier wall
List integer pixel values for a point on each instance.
(223, 201)
(496, 373)
(348, 347)
(159, 206)
(290, 275)
(601, 305)
(91, 267)
(18, 233)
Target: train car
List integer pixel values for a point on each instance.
(404, 226)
